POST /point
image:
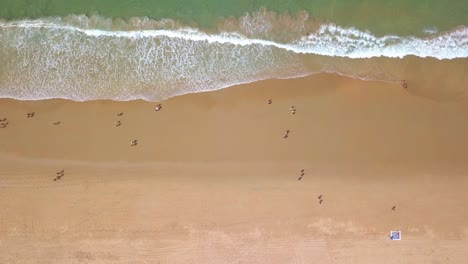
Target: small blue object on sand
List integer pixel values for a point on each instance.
(395, 235)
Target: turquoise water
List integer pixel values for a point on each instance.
(153, 50)
(400, 17)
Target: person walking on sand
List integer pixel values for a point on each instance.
(320, 199)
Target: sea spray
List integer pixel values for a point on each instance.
(83, 58)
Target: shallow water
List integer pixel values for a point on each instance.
(125, 57)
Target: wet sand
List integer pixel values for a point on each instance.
(212, 180)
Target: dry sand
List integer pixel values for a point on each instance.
(213, 181)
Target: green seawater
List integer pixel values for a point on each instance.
(399, 17)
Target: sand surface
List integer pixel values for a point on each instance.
(213, 181)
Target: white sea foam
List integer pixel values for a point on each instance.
(329, 40)
(80, 58)
(430, 30)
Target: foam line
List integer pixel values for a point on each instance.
(329, 40)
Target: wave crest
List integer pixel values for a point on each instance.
(86, 58)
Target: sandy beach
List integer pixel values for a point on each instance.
(212, 180)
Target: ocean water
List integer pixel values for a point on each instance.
(125, 50)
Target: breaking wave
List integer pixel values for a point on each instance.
(87, 58)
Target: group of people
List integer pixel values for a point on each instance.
(293, 110)
(119, 123)
(60, 174)
(3, 123)
(302, 175)
(300, 178)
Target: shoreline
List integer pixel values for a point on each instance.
(345, 100)
(431, 78)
